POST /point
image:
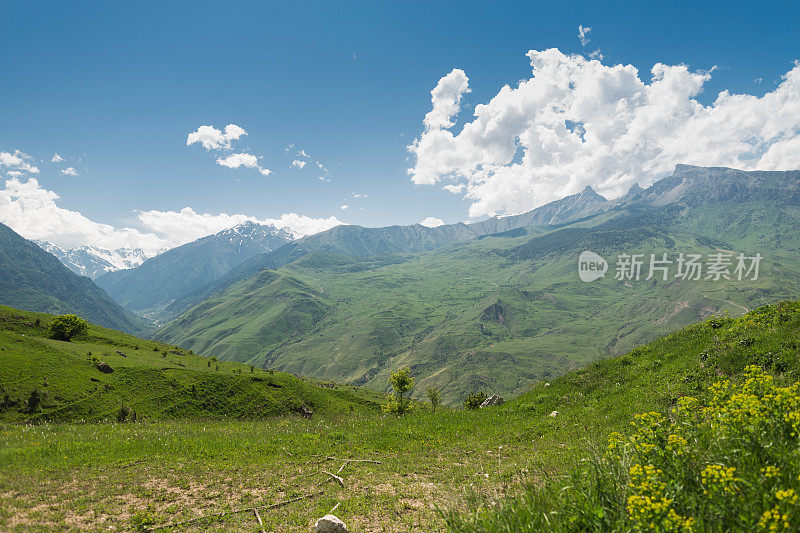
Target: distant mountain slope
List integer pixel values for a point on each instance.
(35, 280)
(347, 240)
(580, 205)
(91, 261)
(161, 279)
(502, 310)
(158, 381)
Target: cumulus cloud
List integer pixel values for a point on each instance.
(578, 122)
(33, 212)
(583, 34)
(243, 160)
(446, 100)
(323, 179)
(56, 158)
(298, 163)
(18, 161)
(432, 222)
(355, 195)
(344, 207)
(213, 139)
(69, 171)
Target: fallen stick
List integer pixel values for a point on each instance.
(338, 480)
(246, 509)
(260, 523)
(335, 507)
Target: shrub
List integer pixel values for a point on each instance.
(123, 413)
(397, 402)
(34, 401)
(475, 399)
(68, 327)
(730, 463)
(434, 396)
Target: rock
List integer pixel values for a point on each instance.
(554, 414)
(330, 524)
(105, 368)
(306, 412)
(494, 399)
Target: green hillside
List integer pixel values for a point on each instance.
(35, 280)
(156, 380)
(499, 312)
(482, 468)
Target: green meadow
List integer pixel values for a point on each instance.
(428, 471)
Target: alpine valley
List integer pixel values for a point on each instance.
(495, 305)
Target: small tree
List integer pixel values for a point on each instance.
(68, 327)
(475, 400)
(434, 396)
(397, 402)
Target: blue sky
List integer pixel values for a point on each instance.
(115, 88)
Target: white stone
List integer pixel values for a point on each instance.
(330, 524)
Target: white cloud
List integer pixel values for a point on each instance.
(56, 158)
(323, 179)
(243, 160)
(69, 171)
(359, 195)
(302, 153)
(33, 212)
(15, 173)
(299, 164)
(597, 54)
(186, 225)
(18, 161)
(213, 139)
(577, 122)
(446, 99)
(432, 222)
(583, 34)
(344, 207)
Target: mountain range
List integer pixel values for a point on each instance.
(91, 261)
(496, 305)
(158, 281)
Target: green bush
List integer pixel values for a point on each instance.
(475, 399)
(730, 463)
(434, 396)
(68, 327)
(397, 402)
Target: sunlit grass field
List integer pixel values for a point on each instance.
(113, 476)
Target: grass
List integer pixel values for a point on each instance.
(473, 468)
(158, 381)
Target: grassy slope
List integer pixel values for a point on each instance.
(33, 279)
(466, 461)
(496, 313)
(156, 380)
